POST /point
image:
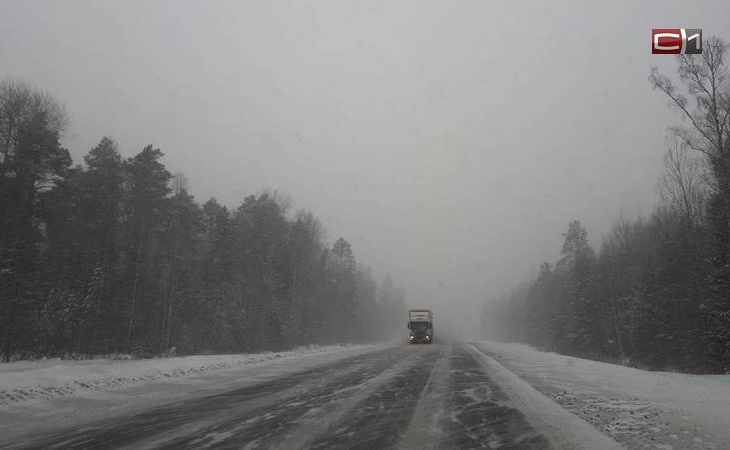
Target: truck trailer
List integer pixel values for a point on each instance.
(420, 322)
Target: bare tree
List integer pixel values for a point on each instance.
(684, 184)
(705, 80)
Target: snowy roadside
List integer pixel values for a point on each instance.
(639, 409)
(46, 379)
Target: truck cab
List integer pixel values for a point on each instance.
(421, 325)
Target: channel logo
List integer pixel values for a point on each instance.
(676, 41)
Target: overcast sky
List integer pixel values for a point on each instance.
(449, 142)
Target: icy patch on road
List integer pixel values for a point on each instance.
(46, 379)
(638, 408)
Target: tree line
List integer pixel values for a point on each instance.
(116, 256)
(656, 294)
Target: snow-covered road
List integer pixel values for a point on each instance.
(399, 396)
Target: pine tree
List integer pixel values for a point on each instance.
(145, 212)
(32, 162)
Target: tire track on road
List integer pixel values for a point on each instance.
(426, 429)
(480, 413)
(315, 422)
(380, 421)
(265, 425)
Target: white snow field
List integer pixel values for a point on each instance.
(639, 409)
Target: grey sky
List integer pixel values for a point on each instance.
(450, 142)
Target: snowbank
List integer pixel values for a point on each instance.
(640, 409)
(45, 379)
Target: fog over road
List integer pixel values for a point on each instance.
(419, 396)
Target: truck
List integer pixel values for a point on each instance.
(420, 322)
